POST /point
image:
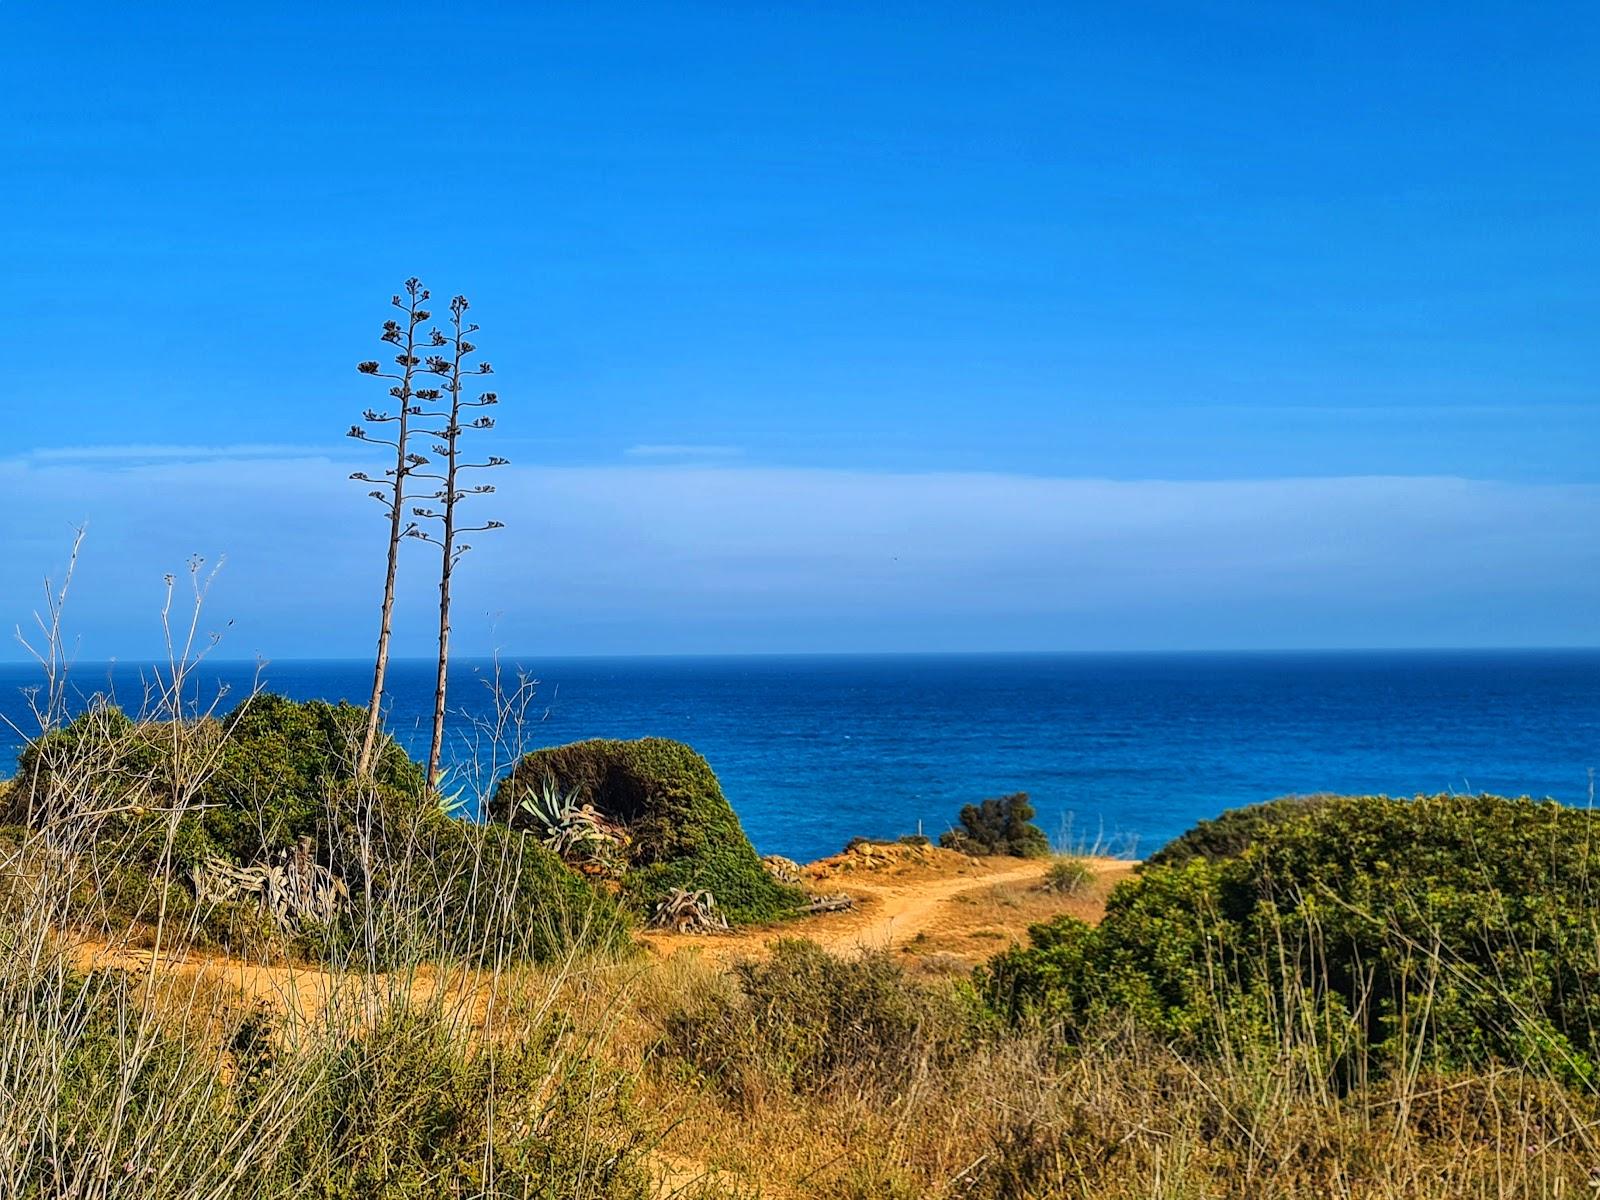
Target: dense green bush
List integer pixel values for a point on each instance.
(268, 773)
(1468, 926)
(816, 1022)
(1230, 833)
(283, 761)
(1003, 825)
(682, 831)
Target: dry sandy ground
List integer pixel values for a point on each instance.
(939, 908)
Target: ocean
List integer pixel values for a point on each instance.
(1124, 749)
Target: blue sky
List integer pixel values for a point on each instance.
(823, 327)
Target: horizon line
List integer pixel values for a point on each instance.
(430, 660)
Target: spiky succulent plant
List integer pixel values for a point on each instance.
(575, 831)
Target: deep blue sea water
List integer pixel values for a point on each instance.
(813, 751)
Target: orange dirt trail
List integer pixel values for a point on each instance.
(937, 895)
(934, 902)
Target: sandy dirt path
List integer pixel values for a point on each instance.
(903, 912)
(897, 904)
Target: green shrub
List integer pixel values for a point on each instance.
(254, 781)
(487, 894)
(1069, 876)
(103, 757)
(284, 760)
(1050, 979)
(999, 826)
(1233, 831)
(682, 831)
(1158, 957)
(1466, 925)
(815, 1022)
(408, 1110)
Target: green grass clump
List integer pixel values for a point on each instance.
(1003, 825)
(1459, 930)
(487, 894)
(109, 1096)
(409, 1110)
(1069, 875)
(682, 831)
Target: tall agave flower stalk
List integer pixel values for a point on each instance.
(391, 489)
(444, 529)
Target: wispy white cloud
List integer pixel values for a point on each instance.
(682, 450)
(678, 556)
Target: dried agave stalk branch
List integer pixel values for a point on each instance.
(295, 890)
(683, 910)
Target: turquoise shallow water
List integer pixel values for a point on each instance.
(813, 751)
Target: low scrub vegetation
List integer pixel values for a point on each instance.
(427, 1054)
(807, 1021)
(1364, 934)
(820, 1075)
(135, 816)
(1068, 875)
(109, 1096)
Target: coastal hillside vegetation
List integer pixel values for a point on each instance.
(261, 776)
(1347, 996)
(1231, 832)
(189, 821)
(1446, 931)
